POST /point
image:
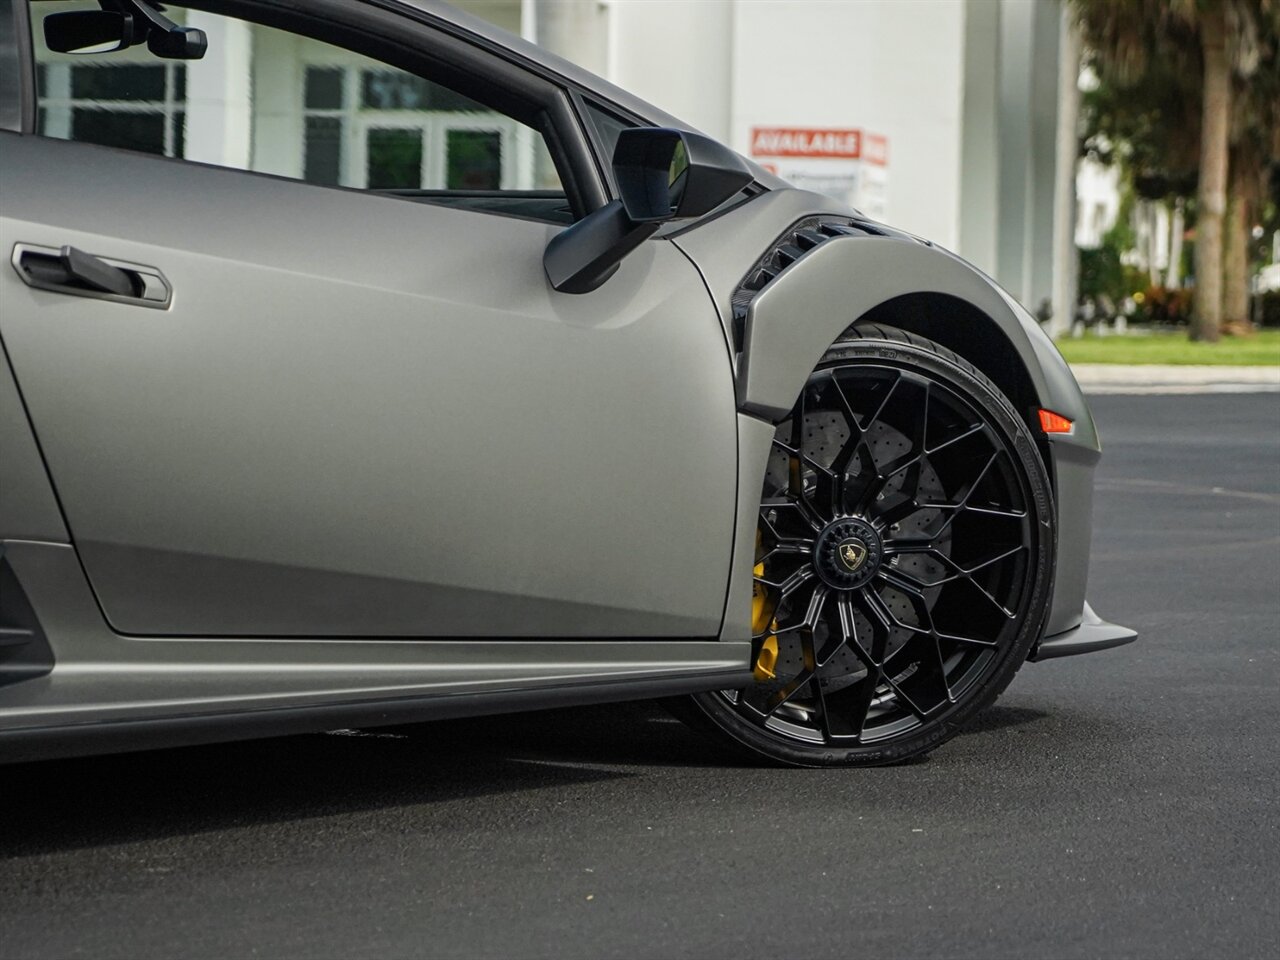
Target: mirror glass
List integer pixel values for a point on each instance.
(679, 163)
(677, 174)
(88, 31)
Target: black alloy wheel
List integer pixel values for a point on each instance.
(904, 558)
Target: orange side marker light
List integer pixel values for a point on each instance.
(1051, 422)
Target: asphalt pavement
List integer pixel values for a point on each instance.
(1125, 804)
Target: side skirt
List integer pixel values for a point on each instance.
(107, 692)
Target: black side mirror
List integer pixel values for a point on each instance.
(662, 175)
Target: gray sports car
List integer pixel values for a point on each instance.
(366, 364)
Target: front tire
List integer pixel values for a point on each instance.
(904, 559)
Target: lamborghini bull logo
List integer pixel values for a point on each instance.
(853, 553)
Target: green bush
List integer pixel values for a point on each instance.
(1101, 273)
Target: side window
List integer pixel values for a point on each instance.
(276, 102)
(607, 126)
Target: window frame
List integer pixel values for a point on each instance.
(23, 62)
(424, 49)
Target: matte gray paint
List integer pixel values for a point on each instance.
(28, 509)
(245, 720)
(1090, 635)
(725, 247)
(836, 283)
(1073, 468)
(755, 439)
(101, 678)
(342, 386)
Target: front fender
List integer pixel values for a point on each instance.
(793, 320)
(797, 316)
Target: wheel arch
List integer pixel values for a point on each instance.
(852, 280)
(965, 330)
(908, 284)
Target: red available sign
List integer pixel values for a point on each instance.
(806, 142)
(877, 150)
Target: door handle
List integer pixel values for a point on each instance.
(72, 271)
(96, 274)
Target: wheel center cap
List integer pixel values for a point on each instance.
(847, 553)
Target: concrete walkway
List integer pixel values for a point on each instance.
(1174, 378)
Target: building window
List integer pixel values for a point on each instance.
(384, 129)
(135, 106)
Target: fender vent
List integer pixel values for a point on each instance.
(790, 247)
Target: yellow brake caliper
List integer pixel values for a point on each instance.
(762, 620)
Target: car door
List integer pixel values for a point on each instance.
(358, 413)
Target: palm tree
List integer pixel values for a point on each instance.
(1255, 151)
(1211, 39)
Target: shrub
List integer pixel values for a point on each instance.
(1164, 305)
(1101, 273)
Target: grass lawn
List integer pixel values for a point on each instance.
(1262, 349)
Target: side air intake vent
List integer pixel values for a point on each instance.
(790, 247)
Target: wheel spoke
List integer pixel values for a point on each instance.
(864, 693)
(790, 584)
(786, 521)
(859, 487)
(997, 512)
(1008, 614)
(870, 479)
(810, 505)
(971, 431)
(953, 508)
(911, 459)
(809, 671)
(973, 568)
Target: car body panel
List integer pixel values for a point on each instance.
(504, 498)
(28, 508)
(504, 448)
(104, 687)
(755, 440)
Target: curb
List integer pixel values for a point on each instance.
(1154, 378)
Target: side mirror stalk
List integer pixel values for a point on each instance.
(581, 258)
(662, 174)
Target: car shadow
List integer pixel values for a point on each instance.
(95, 801)
(83, 802)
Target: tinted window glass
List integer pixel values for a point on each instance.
(273, 102)
(475, 160)
(607, 126)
